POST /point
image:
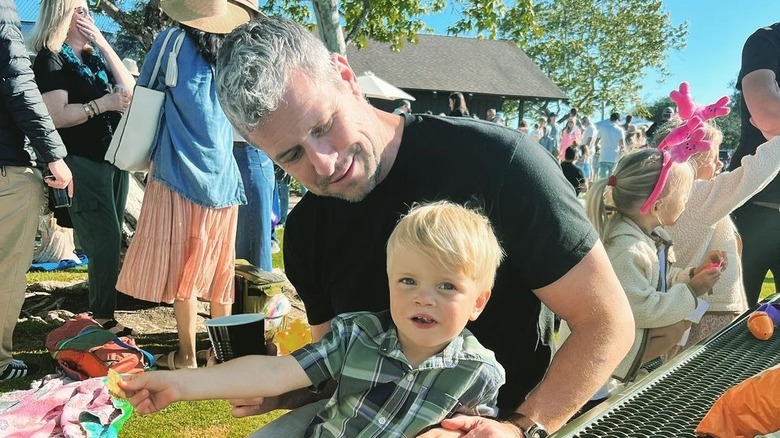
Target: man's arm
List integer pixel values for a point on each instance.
(602, 331)
(21, 98)
(20, 95)
(762, 97)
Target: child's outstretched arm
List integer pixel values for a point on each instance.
(244, 377)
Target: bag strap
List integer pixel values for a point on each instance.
(172, 72)
(174, 55)
(149, 357)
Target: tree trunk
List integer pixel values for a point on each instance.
(145, 30)
(327, 14)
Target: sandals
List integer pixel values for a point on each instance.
(118, 329)
(202, 356)
(167, 361)
(168, 364)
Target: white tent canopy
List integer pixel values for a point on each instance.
(374, 86)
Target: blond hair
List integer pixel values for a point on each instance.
(635, 177)
(51, 27)
(452, 237)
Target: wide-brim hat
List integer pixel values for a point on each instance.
(212, 16)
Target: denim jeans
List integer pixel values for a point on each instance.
(253, 235)
(605, 169)
(284, 200)
(292, 424)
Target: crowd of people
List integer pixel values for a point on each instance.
(411, 249)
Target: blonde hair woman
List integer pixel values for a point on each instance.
(85, 91)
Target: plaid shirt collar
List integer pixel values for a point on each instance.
(390, 346)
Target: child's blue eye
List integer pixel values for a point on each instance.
(448, 286)
(407, 281)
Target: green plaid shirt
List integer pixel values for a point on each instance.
(379, 394)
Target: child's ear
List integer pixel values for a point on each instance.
(479, 305)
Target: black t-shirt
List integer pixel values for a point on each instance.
(761, 52)
(573, 174)
(335, 250)
(91, 138)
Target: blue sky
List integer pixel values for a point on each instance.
(717, 29)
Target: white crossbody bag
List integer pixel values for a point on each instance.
(134, 138)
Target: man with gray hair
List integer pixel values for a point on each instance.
(303, 106)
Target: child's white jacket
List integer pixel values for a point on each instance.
(633, 255)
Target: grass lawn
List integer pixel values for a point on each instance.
(187, 419)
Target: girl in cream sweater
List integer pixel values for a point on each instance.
(661, 296)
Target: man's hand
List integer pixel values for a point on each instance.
(473, 427)
(253, 406)
(62, 176)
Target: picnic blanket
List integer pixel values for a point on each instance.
(62, 264)
(60, 407)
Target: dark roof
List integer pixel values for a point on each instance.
(446, 63)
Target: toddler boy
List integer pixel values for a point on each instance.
(399, 371)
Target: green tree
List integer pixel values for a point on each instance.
(389, 21)
(599, 51)
(731, 125)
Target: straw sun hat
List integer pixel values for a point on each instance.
(213, 16)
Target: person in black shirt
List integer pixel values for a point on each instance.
(574, 174)
(85, 92)
(458, 106)
(365, 167)
(758, 220)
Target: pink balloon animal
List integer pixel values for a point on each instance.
(694, 143)
(680, 133)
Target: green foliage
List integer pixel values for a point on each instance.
(654, 110)
(139, 24)
(389, 21)
(295, 10)
(488, 18)
(598, 52)
(731, 125)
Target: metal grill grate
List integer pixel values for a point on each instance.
(673, 403)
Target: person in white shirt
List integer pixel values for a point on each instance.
(611, 139)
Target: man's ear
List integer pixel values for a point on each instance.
(479, 305)
(346, 74)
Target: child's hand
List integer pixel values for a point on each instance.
(702, 282)
(713, 260)
(151, 391)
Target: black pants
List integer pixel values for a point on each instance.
(760, 230)
(99, 197)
